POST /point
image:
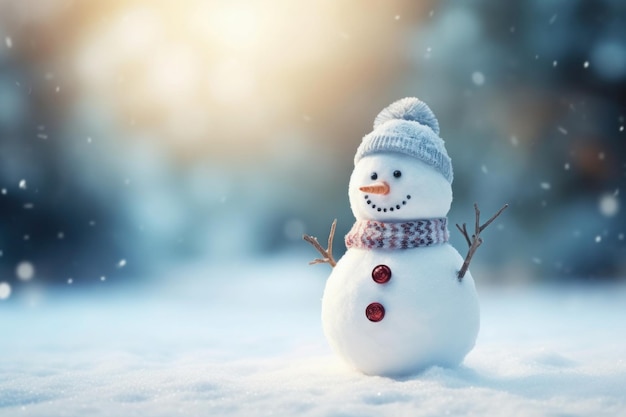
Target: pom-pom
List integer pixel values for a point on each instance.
(409, 108)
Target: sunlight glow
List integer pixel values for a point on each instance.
(177, 72)
(235, 25)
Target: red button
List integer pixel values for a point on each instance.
(375, 312)
(381, 274)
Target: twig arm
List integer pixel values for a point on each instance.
(464, 233)
(476, 240)
(488, 222)
(327, 254)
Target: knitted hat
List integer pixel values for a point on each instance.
(408, 126)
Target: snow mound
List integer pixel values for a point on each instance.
(252, 344)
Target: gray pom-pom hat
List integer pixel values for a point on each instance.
(408, 126)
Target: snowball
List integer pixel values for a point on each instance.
(25, 271)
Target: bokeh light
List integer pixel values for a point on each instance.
(5, 290)
(159, 133)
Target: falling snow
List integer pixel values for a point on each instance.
(478, 78)
(25, 271)
(5, 290)
(562, 130)
(9, 42)
(545, 185)
(121, 263)
(22, 184)
(608, 205)
(598, 239)
(586, 64)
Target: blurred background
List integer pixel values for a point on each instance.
(138, 136)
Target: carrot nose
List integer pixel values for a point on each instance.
(376, 188)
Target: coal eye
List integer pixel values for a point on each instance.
(397, 174)
(374, 176)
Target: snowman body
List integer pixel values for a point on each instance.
(422, 315)
(430, 317)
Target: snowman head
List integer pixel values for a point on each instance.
(395, 187)
(402, 170)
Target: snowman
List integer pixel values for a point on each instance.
(401, 298)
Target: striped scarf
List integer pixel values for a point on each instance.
(370, 234)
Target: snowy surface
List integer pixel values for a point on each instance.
(247, 341)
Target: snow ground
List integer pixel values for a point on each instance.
(247, 341)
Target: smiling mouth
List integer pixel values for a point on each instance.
(386, 209)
